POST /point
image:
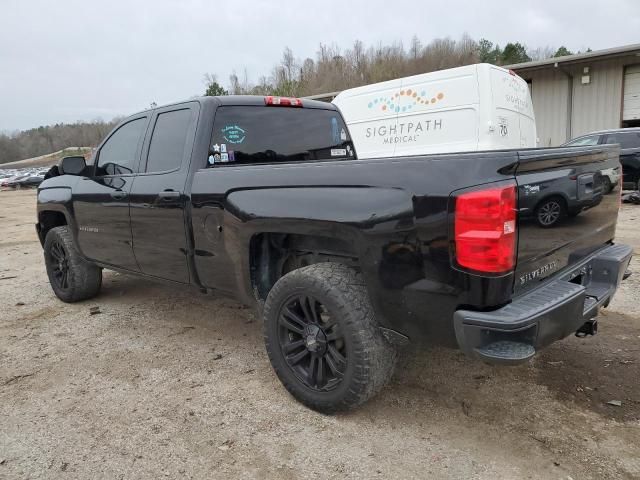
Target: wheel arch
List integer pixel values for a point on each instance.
(265, 226)
(274, 254)
(54, 210)
(48, 219)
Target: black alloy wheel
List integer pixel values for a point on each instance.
(72, 277)
(59, 260)
(323, 338)
(311, 343)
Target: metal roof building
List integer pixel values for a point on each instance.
(577, 94)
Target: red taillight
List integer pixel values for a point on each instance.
(282, 101)
(485, 229)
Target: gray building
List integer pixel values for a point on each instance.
(577, 94)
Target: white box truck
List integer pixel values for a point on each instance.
(475, 107)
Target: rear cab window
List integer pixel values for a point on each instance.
(270, 134)
(169, 140)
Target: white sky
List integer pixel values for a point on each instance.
(68, 60)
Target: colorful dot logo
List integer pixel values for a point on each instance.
(391, 104)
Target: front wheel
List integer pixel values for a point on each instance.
(323, 339)
(72, 278)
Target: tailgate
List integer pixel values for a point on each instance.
(570, 181)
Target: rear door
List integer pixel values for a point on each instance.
(512, 102)
(158, 199)
(571, 178)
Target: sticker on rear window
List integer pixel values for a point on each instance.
(335, 130)
(343, 135)
(234, 134)
(338, 152)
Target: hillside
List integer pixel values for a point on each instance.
(48, 159)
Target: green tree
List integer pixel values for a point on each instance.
(213, 88)
(562, 51)
(514, 53)
(487, 53)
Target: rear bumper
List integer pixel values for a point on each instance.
(513, 333)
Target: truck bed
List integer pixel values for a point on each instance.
(404, 204)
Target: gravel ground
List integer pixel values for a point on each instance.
(171, 383)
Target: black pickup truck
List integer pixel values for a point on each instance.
(264, 199)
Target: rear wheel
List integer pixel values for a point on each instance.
(71, 277)
(550, 212)
(323, 340)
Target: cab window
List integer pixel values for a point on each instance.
(168, 141)
(119, 154)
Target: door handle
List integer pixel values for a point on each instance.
(169, 195)
(118, 194)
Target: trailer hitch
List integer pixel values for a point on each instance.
(589, 328)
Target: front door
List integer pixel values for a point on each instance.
(101, 201)
(158, 198)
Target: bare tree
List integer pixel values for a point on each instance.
(288, 64)
(541, 53)
(234, 84)
(415, 48)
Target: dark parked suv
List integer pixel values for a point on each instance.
(629, 141)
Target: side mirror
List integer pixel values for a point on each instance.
(72, 165)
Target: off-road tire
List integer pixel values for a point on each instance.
(83, 279)
(370, 358)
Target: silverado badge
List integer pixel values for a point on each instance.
(538, 272)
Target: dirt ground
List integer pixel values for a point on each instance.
(176, 384)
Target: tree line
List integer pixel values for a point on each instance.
(47, 139)
(336, 69)
(332, 69)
